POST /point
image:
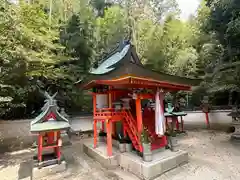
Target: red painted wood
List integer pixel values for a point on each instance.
(149, 122)
(139, 115)
(51, 115)
(139, 82)
(109, 138)
(50, 137)
(95, 133)
(40, 145)
(131, 130)
(207, 119)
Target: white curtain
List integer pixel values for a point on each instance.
(159, 114)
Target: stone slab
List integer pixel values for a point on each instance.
(100, 154)
(162, 162)
(48, 170)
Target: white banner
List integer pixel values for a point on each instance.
(159, 114)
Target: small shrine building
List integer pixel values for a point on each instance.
(119, 85)
(48, 126)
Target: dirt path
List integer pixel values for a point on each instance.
(212, 157)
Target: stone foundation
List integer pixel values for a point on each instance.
(130, 161)
(48, 170)
(100, 154)
(162, 162)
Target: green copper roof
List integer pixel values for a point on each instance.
(49, 126)
(40, 124)
(179, 113)
(166, 114)
(107, 65)
(170, 111)
(125, 62)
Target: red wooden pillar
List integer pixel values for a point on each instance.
(139, 118)
(94, 121)
(109, 137)
(207, 119)
(139, 115)
(95, 132)
(40, 144)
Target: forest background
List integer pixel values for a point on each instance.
(51, 44)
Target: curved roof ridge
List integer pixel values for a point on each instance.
(107, 64)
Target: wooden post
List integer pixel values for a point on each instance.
(177, 123)
(182, 123)
(166, 122)
(95, 132)
(94, 121)
(102, 128)
(40, 144)
(59, 145)
(139, 115)
(207, 119)
(109, 138)
(139, 120)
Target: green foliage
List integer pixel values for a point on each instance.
(51, 44)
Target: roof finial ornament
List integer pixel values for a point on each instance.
(50, 99)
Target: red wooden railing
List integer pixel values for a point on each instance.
(131, 129)
(106, 113)
(130, 125)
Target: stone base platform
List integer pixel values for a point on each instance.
(48, 170)
(162, 162)
(130, 161)
(100, 154)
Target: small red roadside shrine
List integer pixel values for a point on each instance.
(119, 84)
(48, 126)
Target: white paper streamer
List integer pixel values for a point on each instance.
(159, 114)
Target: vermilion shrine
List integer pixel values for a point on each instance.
(119, 85)
(48, 126)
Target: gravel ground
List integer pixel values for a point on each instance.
(211, 157)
